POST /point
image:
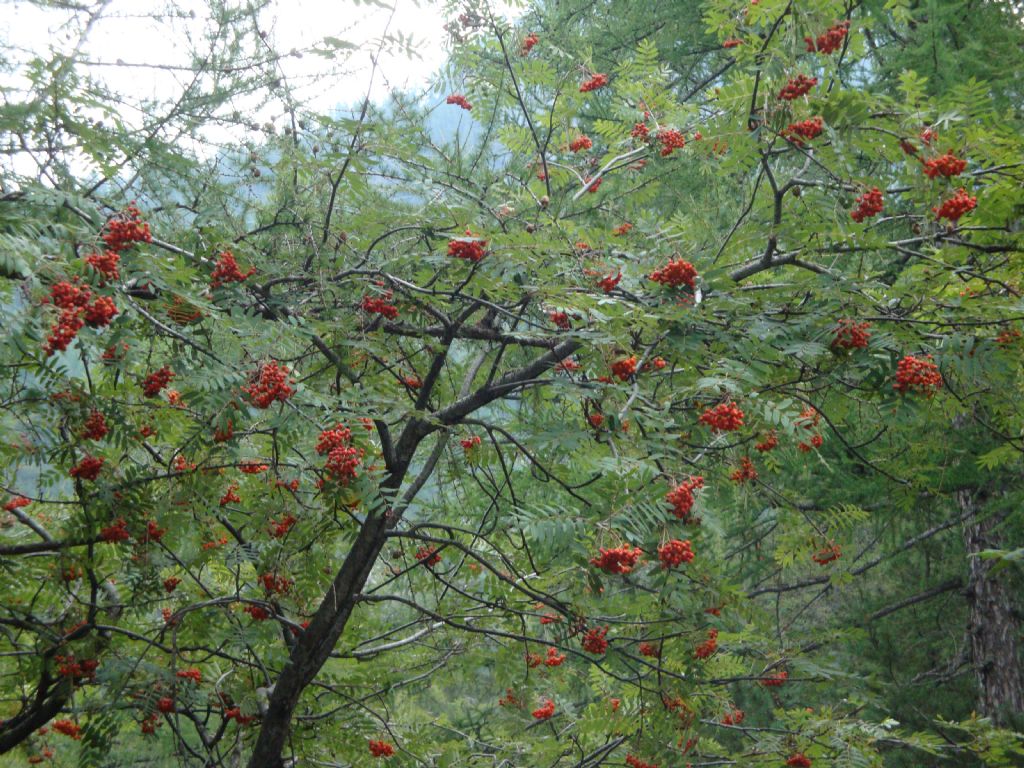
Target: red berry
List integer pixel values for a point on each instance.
(797, 86)
(869, 204)
(917, 374)
(227, 270)
(268, 384)
(460, 100)
(88, 468)
(724, 417)
(580, 143)
(618, 560)
(829, 41)
(676, 273)
(675, 552)
(956, 206)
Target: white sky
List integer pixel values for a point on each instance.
(125, 32)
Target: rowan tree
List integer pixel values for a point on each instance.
(353, 442)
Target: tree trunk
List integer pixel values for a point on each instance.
(993, 627)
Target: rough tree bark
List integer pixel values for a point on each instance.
(994, 628)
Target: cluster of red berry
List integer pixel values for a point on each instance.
(594, 641)
(617, 560)
(191, 673)
(545, 710)
(429, 556)
(827, 554)
(947, 166)
(471, 250)
(591, 185)
(675, 552)
(869, 204)
(917, 374)
(156, 381)
(676, 273)
(708, 647)
(802, 131)
(735, 717)
(796, 87)
(75, 311)
(114, 353)
(624, 368)
(594, 82)
(635, 762)
(776, 680)
(956, 206)
(609, 282)
(269, 383)
(381, 748)
(171, 583)
(235, 713)
(799, 760)
(640, 131)
(100, 312)
(554, 658)
(116, 531)
(528, 42)
(67, 728)
(153, 532)
(732, 42)
(809, 419)
(745, 472)
(850, 334)
(126, 229)
(121, 233)
(580, 143)
(105, 263)
(650, 650)
(70, 667)
(149, 724)
(343, 462)
(227, 270)
(230, 497)
(560, 319)
(279, 528)
(459, 99)
(95, 426)
(816, 442)
(257, 612)
(724, 417)
(181, 464)
(274, 584)
(16, 503)
(671, 140)
(509, 699)
(681, 497)
(770, 442)
(829, 41)
(1009, 336)
(88, 468)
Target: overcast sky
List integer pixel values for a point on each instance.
(126, 32)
